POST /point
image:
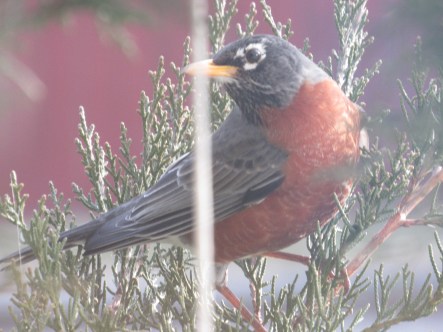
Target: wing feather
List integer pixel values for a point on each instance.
(246, 168)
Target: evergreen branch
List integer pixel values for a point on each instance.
(251, 22)
(409, 202)
(12, 207)
(254, 270)
(415, 170)
(280, 30)
(93, 159)
(351, 18)
(408, 308)
(220, 21)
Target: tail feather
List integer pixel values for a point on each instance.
(74, 237)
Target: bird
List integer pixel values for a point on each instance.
(280, 160)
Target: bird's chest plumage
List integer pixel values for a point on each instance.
(320, 132)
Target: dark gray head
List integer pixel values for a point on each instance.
(260, 72)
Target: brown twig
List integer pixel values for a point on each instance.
(235, 302)
(415, 196)
(420, 222)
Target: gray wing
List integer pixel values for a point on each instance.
(246, 169)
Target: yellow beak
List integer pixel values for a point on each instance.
(210, 69)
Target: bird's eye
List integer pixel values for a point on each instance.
(253, 55)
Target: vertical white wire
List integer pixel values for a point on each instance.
(203, 168)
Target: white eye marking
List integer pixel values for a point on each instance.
(250, 66)
(240, 53)
(259, 46)
(259, 50)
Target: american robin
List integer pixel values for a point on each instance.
(287, 147)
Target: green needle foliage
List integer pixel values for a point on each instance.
(155, 287)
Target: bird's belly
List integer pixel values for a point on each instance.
(283, 218)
